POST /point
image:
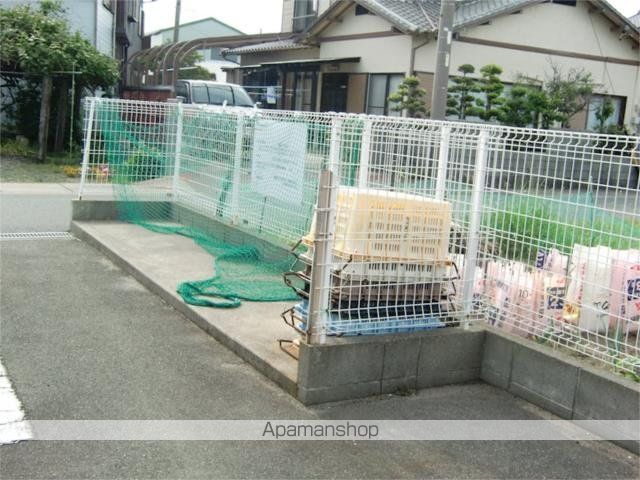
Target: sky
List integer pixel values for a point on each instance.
(254, 16)
(248, 16)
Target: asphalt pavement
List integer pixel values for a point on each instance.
(82, 340)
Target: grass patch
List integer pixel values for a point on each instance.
(522, 225)
(18, 164)
(16, 148)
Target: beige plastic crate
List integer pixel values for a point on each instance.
(379, 225)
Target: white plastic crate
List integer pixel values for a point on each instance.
(391, 226)
(349, 289)
(391, 272)
(396, 272)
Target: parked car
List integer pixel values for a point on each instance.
(212, 93)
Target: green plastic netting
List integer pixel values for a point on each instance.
(140, 153)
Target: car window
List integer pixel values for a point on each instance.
(242, 98)
(219, 93)
(199, 94)
(181, 90)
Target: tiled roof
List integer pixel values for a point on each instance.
(286, 44)
(473, 11)
(419, 16)
(416, 16)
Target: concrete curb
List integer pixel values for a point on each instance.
(558, 383)
(174, 301)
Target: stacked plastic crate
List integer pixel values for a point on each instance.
(390, 270)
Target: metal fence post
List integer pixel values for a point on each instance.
(443, 160)
(471, 256)
(237, 166)
(87, 146)
(323, 243)
(365, 154)
(321, 266)
(176, 162)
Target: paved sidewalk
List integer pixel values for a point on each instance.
(35, 207)
(165, 261)
(40, 207)
(82, 340)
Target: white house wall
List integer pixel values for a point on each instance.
(389, 54)
(559, 27)
(350, 23)
(377, 55)
(104, 30)
(82, 17)
(552, 27)
(80, 14)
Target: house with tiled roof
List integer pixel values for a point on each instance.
(348, 55)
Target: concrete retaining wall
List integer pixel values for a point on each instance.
(86, 210)
(565, 386)
(362, 366)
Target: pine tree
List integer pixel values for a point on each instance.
(492, 87)
(515, 109)
(409, 98)
(460, 101)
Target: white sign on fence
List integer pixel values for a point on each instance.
(271, 95)
(278, 160)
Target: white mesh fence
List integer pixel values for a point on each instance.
(129, 142)
(431, 224)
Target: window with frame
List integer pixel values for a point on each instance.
(199, 94)
(304, 99)
(181, 90)
(241, 98)
(595, 104)
(380, 86)
(133, 10)
(304, 14)
(218, 94)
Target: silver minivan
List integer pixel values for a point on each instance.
(212, 93)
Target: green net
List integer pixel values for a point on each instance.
(247, 233)
(242, 272)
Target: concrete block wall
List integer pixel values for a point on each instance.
(85, 210)
(565, 386)
(363, 366)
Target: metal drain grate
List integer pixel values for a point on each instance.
(35, 235)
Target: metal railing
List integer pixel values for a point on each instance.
(422, 224)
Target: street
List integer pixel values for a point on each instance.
(82, 340)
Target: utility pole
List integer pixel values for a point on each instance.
(176, 23)
(441, 77)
